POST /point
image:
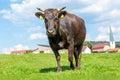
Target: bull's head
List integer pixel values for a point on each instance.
(51, 18)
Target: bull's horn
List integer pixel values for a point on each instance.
(41, 9)
(61, 9)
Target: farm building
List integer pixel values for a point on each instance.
(43, 49)
(20, 51)
(46, 49)
(102, 47)
(113, 50)
(86, 50)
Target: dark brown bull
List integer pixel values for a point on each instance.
(64, 30)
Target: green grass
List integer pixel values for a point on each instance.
(43, 67)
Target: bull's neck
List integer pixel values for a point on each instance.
(56, 38)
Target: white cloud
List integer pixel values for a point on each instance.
(16, 47)
(14, 0)
(5, 51)
(20, 12)
(113, 15)
(84, 1)
(103, 29)
(105, 11)
(36, 28)
(93, 6)
(6, 13)
(88, 37)
(24, 11)
(116, 32)
(20, 47)
(37, 33)
(104, 33)
(38, 36)
(102, 37)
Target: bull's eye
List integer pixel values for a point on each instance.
(55, 19)
(46, 20)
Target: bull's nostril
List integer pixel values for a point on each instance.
(50, 31)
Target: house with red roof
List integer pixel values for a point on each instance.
(114, 50)
(101, 47)
(20, 51)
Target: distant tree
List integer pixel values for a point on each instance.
(88, 43)
(29, 51)
(118, 45)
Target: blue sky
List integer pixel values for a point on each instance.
(20, 29)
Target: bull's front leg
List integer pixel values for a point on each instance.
(58, 61)
(70, 53)
(55, 49)
(57, 56)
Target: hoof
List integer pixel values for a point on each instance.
(59, 69)
(72, 66)
(79, 67)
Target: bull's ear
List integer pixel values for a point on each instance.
(62, 14)
(39, 15)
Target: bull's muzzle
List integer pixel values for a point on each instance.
(51, 32)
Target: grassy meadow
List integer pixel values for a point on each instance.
(43, 67)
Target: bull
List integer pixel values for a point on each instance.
(64, 31)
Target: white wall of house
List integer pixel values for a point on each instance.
(106, 47)
(87, 51)
(47, 49)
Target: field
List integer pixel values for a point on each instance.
(43, 67)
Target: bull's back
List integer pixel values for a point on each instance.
(80, 31)
(78, 28)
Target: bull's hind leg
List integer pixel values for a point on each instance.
(78, 56)
(70, 55)
(79, 61)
